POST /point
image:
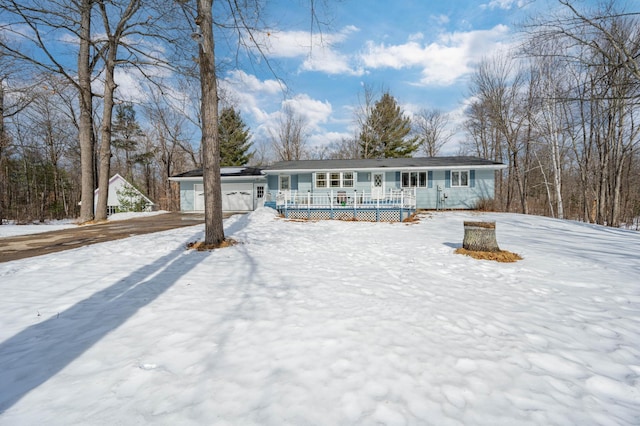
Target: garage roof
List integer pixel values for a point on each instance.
(224, 171)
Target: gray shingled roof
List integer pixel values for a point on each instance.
(224, 171)
(394, 163)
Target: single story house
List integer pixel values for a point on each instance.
(368, 189)
(436, 182)
(243, 189)
(123, 196)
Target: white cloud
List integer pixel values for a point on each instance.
(129, 86)
(443, 61)
(252, 95)
(317, 49)
(504, 4)
(251, 83)
(439, 19)
(261, 103)
(324, 139)
(314, 111)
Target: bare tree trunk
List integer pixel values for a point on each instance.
(114, 39)
(214, 230)
(85, 124)
(105, 135)
(3, 144)
(104, 166)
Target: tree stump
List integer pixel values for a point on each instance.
(480, 236)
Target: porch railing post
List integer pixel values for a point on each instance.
(308, 204)
(331, 204)
(355, 203)
(401, 203)
(286, 211)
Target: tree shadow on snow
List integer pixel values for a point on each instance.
(39, 352)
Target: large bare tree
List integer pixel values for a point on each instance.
(289, 138)
(599, 50)
(214, 230)
(35, 26)
(432, 128)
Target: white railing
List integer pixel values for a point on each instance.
(351, 199)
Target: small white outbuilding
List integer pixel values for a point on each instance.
(123, 196)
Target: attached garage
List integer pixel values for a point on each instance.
(243, 189)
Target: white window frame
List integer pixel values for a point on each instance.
(335, 177)
(324, 180)
(417, 179)
(352, 179)
(457, 181)
(288, 179)
(335, 180)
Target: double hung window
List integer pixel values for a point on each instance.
(414, 179)
(460, 178)
(335, 179)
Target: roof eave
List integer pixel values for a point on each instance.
(223, 178)
(376, 169)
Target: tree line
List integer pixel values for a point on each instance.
(561, 110)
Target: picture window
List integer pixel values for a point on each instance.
(414, 179)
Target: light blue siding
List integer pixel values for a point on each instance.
(481, 186)
(439, 194)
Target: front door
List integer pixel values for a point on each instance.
(377, 186)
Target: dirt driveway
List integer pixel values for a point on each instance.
(25, 246)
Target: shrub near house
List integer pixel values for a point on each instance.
(131, 200)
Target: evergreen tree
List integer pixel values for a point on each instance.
(234, 139)
(384, 133)
(125, 134)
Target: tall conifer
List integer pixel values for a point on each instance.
(385, 132)
(234, 139)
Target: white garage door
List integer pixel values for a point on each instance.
(237, 197)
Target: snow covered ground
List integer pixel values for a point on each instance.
(327, 323)
(12, 230)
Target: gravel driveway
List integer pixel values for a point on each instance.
(25, 246)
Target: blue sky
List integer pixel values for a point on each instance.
(422, 52)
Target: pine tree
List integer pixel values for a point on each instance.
(234, 139)
(384, 133)
(125, 135)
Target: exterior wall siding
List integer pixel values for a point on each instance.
(186, 196)
(439, 194)
(187, 190)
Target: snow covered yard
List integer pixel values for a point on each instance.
(327, 323)
(13, 230)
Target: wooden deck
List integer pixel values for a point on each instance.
(392, 206)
